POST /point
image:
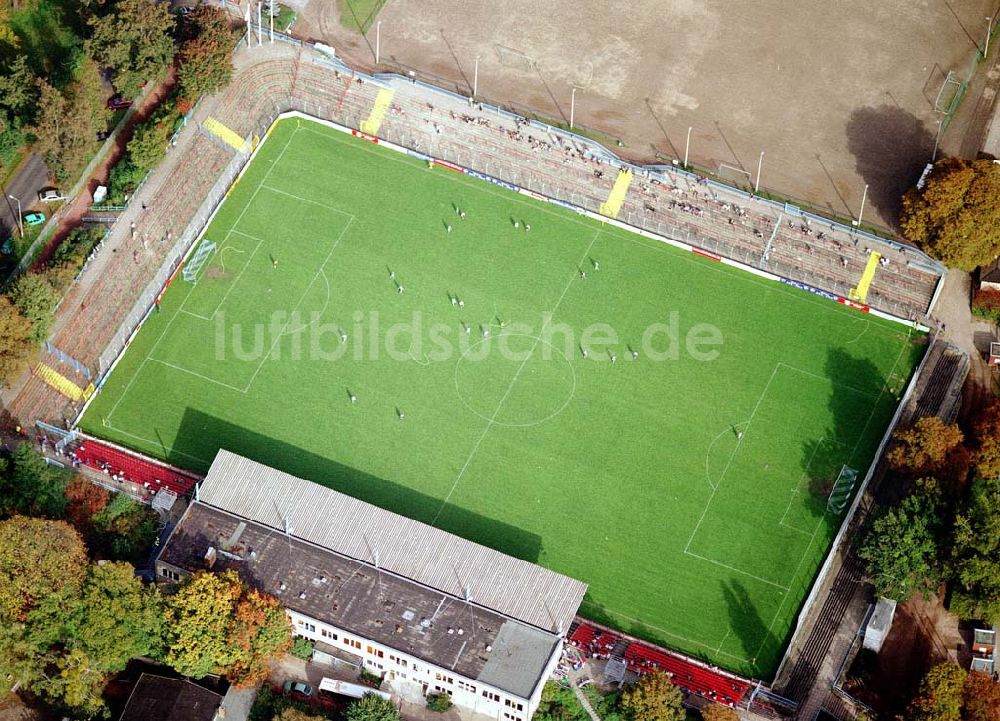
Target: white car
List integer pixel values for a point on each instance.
(49, 195)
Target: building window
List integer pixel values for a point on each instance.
(310, 627)
(326, 633)
(172, 575)
(491, 696)
(466, 686)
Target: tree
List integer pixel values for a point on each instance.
(923, 447)
(18, 92)
(956, 216)
(205, 60)
(75, 680)
(16, 346)
(149, 143)
(35, 298)
(261, 631)
(293, 714)
(975, 563)
(8, 38)
(64, 128)
(84, 500)
(38, 558)
(980, 698)
(718, 712)
(940, 694)
(124, 529)
(218, 625)
(118, 618)
(89, 96)
(372, 708)
(901, 547)
(653, 698)
(986, 437)
(32, 486)
(134, 40)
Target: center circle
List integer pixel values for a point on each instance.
(515, 380)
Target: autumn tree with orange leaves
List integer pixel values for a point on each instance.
(217, 624)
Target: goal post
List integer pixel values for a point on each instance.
(950, 94)
(843, 489)
(198, 260)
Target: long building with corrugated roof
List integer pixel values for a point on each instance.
(426, 610)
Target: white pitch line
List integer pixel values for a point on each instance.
(829, 380)
(155, 443)
(301, 298)
(510, 387)
(196, 374)
(170, 323)
(307, 200)
(732, 455)
(736, 570)
(819, 523)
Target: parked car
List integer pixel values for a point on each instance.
(49, 195)
(297, 688)
(117, 102)
(34, 218)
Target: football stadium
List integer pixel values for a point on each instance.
(680, 434)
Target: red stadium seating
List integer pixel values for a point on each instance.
(692, 677)
(133, 468)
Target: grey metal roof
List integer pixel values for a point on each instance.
(432, 557)
(518, 659)
(356, 597)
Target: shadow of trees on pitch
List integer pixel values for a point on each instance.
(891, 147)
(857, 384)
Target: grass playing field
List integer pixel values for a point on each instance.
(687, 488)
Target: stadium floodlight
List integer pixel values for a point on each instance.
(861, 212)
(20, 217)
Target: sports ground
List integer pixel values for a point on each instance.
(497, 396)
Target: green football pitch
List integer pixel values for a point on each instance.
(341, 332)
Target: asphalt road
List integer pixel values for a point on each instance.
(32, 177)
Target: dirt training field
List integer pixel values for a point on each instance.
(836, 94)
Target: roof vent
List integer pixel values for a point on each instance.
(451, 631)
(488, 648)
(210, 556)
(302, 596)
(425, 622)
(461, 632)
(399, 628)
(408, 615)
(282, 586)
(253, 555)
